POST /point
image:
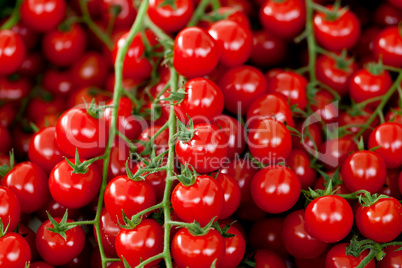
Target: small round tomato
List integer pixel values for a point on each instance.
(275, 189)
(195, 52)
(325, 106)
(388, 46)
(241, 86)
(389, 137)
(74, 189)
(63, 48)
(42, 15)
(329, 212)
(124, 194)
(32, 65)
(170, 17)
(140, 243)
(76, 129)
(200, 251)
(364, 170)
(322, 183)
(235, 247)
(352, 121)
(333, 152)
(57, 82)
(337, 257)
(28, 36)
(29, 235)
(206, 151)
(56, 250)
(297, 240)
(14, 251)
(337, 30)
(386, 15)
(126, 12)
(200, 201)
(29, 182)
(231, 194)
(89, 70)
(392, 258)
(10, 210)
(12, 52)
(56, 211)
(394, 115)
(203, 101)
(233, 40)
(284, 18)
(108, 230)
(14, 90)
(269, 141)
(39, 107)
(268, 49)
(299, 162)
(265, 258)
(381, 221)
(43, 149)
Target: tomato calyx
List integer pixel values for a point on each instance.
(130, 223)
(375, 68)
(367, 200)
(94, 110)
(332, 14)
(330, 183)
(60, 227)
(4, 169)
(150, 164)
(170, 3)
(176, 97)
(185, 133)
(3, 229)
(223, 231)
(356, 247)
(195, 228)
(188, 176)
(78, 166)
(342, 61)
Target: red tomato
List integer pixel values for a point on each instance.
(56, 250)
(14, 251)
(352, 120)
(325, 106)
(297, 239)
(396, 3)
(10, 210)
(12, 52)
(268, 50)
(198, 202)
(39, 107)
(231, 194)
(140, 243)
(337, 257)
(275, 189)
(14, 90)
(299, 162)
(386, 15)
(124, 18)
(388, 46)
(392, 258)
(89, 70)
(308, 129)
(57, 82)
(161, 142)
(336, 31)
(8, 113)
(85, 95)
(28, 36)
(29, 235)
(329, 212)
(124, 194)
(42, 15)
(203, 101)
(389, 137)
(29, 182)
(109, 230)
(40, 264)
(200, 251)
(382, 221)
(56, 211)
(206, 151)
(32, 65)
(322, 183)
(283, 18)
(170, 17)
(334, 152)
(265, 258)
(231, 13)
(241, 86)
(63, 48)
(394, 115)
(5, 138)
(235, 247)
(195, 52)
(269, 141)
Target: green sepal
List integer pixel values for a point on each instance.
(187, 176)
(78, 167)
(196, 229)
(3, 230)
(185, 134)
(62, 227)
(223, 231)
(129, 223)
(4, 169)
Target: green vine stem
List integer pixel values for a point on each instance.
(14, 18)
(198, 13)
(311, 43)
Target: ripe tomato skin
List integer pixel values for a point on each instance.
(42, 16)
(195, 52)
(337, 257)
(63, 48)
(269, 141)
(298, 240)
(200, 251)
(28, 36)
(54, 249)
(12, 52)
(89, 70)
(203, 101)
(268, 49)
(5, 138)
(265, 258)
(206, 151)
(325, 106)
(23, 174)
(364, 170)
(199, 202)
(392, 258)
(388, 46)
(170, 18)
(14, 90)
(389, 137)
(74, 190)
(343, 32)
(109, 230)
(329, 212)
(57, 82)
(231, 194)
(275, 189)
(286, 18)
(335, 151)
(382, 221)
(241, 86)
(14, 251)
(235, 246)
(29, 235)
(126, 16)
(77, 130)
(124, 194)
(347, 119)
(142, 242)
(43, 149)
(233, 40)
(10, 210)
(394, 116)
(299, 162)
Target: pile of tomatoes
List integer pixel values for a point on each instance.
(200, 133)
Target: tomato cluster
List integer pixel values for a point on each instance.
(200, 133)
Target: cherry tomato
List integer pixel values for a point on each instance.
(387, 15)
(14, 90)
(322, 183)
(195, 52)
(334, 152)
(170, 17)
(56, 211)
(89, 70)
(268, 49)
(109, 230)
(10, 210)
(235, 247)
(349, 118)
(29, 182)
(392, 258)
(28, 36)
(42, 16)
(394, 115)
(299, 162)
(126, 12)
(329, 212)
(56, 250)
(57, 82)
(29, 235)
(325, 106)
(206, 151)
(200, 201)
(32, 65)
(7, 114)
(283, 18)
(337, 257)
(231, 194)
(86, 95)
(12, 52)
(231, 13)
(265, 258)
(14, 251)
(200, 251)
(388, 46)
(275, 189)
